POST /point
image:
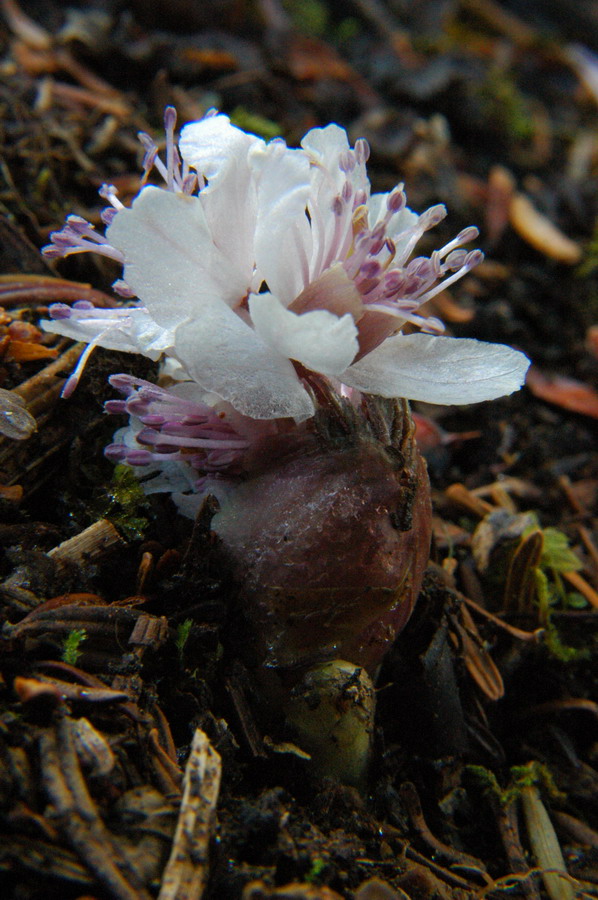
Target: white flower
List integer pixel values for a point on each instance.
(280, 265)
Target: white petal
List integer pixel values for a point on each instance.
(212, 145)
(283, 188)
(171, 262)
(223, 354)
(439, 369)
(220, 152)
(320, 340)
(134, 333)
(325, 145)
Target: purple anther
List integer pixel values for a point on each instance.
(194, 420)
(473, 259)
(116, 452)
(346, 161)
(83, 304)
(396, 200)
(123, 383)
(108, 192)
(69, 385)
(468, 234)
(148, 436)
(107, 215)
(337, 206)
(455, 260)
(347, 191)
(139, 457)
(370, 269)
(146, 140)
(115, 407)
(152, 419)
(51, 251)
(60, 311)
(169, 118)
(377, 246)
(433, 216)
(78, 224)
(362, 150)
(367, 285)
(393, 281)
(65, 239)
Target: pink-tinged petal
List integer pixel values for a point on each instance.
(283, 186)
(171, 262)
(225, 355)
(439, 369)
(334, 291)
(320, 340)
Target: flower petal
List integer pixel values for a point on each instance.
(225, 355)
(439, 369)
(171, 261)
(132, 331)
(283, 187)
(334, 291)
(320, 340)
(213, 145)
(220, 152)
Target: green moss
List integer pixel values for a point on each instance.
(182, 636)
(549, 589)
(556, 553)
(317, 867)
(72, 643)
(309, 16)
(533, 773)
(346, 30)
(255, 123)
(126, 504)
(505, 105)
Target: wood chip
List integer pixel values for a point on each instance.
(186, 872)
(89, 545)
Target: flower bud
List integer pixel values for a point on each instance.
(328, 538)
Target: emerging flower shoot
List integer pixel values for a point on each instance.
(276, 290)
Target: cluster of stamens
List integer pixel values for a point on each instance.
(173, 429)
(378, 267)
(80, 236)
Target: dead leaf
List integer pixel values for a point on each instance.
(564, 392)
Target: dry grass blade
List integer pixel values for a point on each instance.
(545, 845)
(478, 661)
(186, 872)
